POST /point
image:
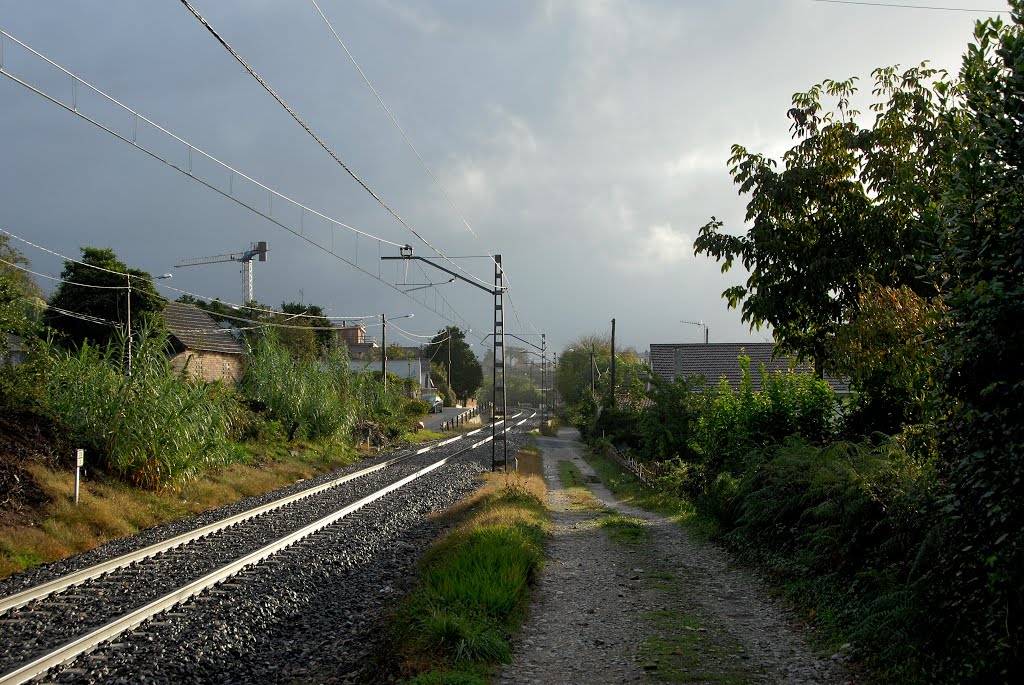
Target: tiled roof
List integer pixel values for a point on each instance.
(721, 360)
(195, 330)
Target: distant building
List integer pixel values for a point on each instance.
(350, 334)
(202, 349)
(715, 361)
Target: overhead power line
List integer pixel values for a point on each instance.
(422, 161)
(306, 127)
(194, 157)
(912, 7)
(159, 283)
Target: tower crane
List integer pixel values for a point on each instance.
(256, 250)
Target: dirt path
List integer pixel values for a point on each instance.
(658, 606)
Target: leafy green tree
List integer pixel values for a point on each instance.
(983, 440)
(94, 297)
(466, 373)
(320, 324)
(849, 202)
(889, 351)
(574, 371)
(20, 296)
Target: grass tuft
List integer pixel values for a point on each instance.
(626, 530)
(473, 583)
(574, 484)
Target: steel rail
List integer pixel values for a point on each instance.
(31, 594)
(20, 599)
(128, 621)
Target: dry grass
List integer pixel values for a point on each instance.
(110, 509)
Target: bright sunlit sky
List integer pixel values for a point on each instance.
(583, 140)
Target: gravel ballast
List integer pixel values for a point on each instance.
(311, 613)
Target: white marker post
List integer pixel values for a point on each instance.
(79, 463)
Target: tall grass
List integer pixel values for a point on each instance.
(150, 427)
(459, 618)
(309, 398)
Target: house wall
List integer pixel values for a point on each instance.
(209, 366)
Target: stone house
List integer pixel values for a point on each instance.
(201, 348)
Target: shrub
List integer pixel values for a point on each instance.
(306, 397)
(148, 426)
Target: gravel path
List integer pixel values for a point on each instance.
(669, 608)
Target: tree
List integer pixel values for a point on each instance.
(321, 325)
(19, 294)
(466, 372)
(849, 203)
(982, 446)
(574, 371)
(95, 295)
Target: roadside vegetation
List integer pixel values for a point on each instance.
(160, 444)
(458, 621)
(886, 253)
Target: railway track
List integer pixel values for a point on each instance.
(56, 622)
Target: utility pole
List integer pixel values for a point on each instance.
(593, 380)
(384, 348)
(612, 402)
(498, 292)
(543, 376)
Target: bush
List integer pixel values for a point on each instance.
(550, 428)
(306, 397)
(150, 426)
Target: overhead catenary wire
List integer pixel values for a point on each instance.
(255, 323)
(61, 280)
(422, 161)
(306, 127)
(159, 283)
(865, 3)
(446, 311)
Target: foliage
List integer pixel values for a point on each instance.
(150, 427)
(308, 398)
(850, 203)
(322, 328)
(466, 373)
(473, 584)
(103, 287)
(19, 294)
(847, 524)
(439, 375)
(668, 427)
(734, 422)
(586, 362)
(889, 352)
(982, 443)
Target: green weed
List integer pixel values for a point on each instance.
(626, 530)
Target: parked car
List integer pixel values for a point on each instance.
(435, 402)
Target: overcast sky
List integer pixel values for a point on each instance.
(583, 140)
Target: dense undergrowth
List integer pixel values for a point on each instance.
(853, 531)
(158, 429)
(161, 446)
(457, 623)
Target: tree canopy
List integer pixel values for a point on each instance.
(94, 297)
(19, 294)
(848, 203)
(466, 373)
